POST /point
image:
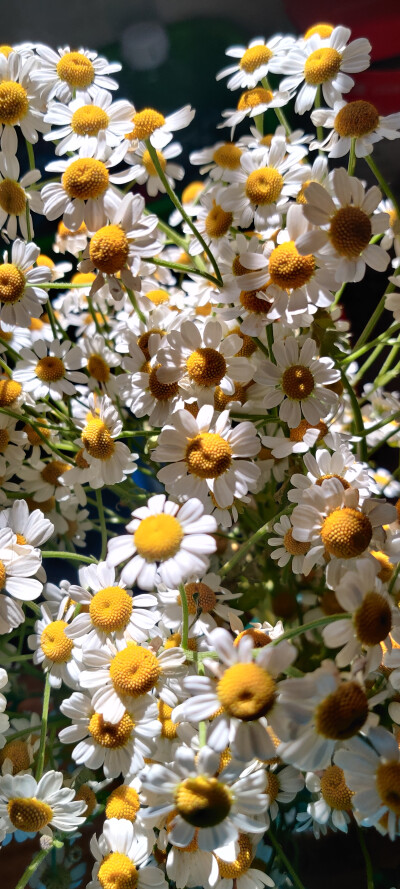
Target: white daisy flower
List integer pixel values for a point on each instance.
(80, 122)
(30, 528)
(63, 73)
(282, 786)
(117, 748)
(100, 360)
(20, 299)
(205, 597)
(4, 719)
(166, 542)
(392, 301)
(244, 688)
(20, 101)
(301, 439)
(109, 460)
(53, 649)
(252, 103)
(287, 547)
(334, 804)
(17, 199)
(32, 806)
(206, 456)
(121, 855)
(18, 564)
(255, 61)
(188, 869)
(212, 221)
(238, 871)
(67, 241)
(372, 772)
(357, 122)
(50, 369)
(213, 809)
(297, 382)
(12, 442)
(151, 125)
(341, 464)
(324, 63)
(346, 227)
(146, 173)
(218, 159)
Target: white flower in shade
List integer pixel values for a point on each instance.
(54, 650)
(80, 121)
(18, 562)
(125, 672)
(252, 103)
(205, 597)
(188, 869)
(206, 456)
(260, 190)
(100, 360)
(45, 479)
(121, 854)
(146, 173)
(110, 610)
(245, 689)
(218, 159)
(30, 528)
(117, 748)
(109, 460)
(330, 519)
(325, 63)
(346, 227)
(372, 772)
(287, 547)
(86, 192)
(212, 221)
(374, 616)
(243, 266)
(50, 369)
(17, 199)
(63, 73)
(359, 122)
(254, 62)
(334, 803)
(215, 809)
(297, 382)
(282, 786)
(235, 870)
(341, 464)
(12, 442)
(21, 104)
(32, 806)
(151, 125)
(20, 298)
(67, 241)
(166, 543)
(392, 301)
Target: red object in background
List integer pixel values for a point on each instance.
(380, 22)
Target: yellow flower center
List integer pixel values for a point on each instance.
(350, 231)
(98, 368)
(208, 455)
(232, 870)
(373, 619)
(343, 482)
(157, 297)
(161, 391)
(206, 366)
(246, 691)
(82, 277)
(86, 794)
(117, 871)
(253, 303)
(85, 178)
(97, 439)
(145, 123)
(169, 729)
(80, 461)
(3, 575)
(4, 440)
(248, 345)
(203, 801)
(297, 382)
(288, 269)
(14, 103)
(12, 282)
(55, 644)
(123, 802)
(346, 533)
(76, 70)
(44, 505)
(272, 786)
(322, 65)
(221, 400)
(29, 814)
(387, 567)
(343, 713)
(294, 547)
(109, 249)
(5, 50)
(218, 221)
(356, 119)
(335, 790)
(158, 537)
(264, 186)
(110, 609)
(45, 261)
(191, 192)
(12, 197)
(134, 670)
(112, 735)
(388, 785)
(259, 638)
(239, 269)
(227, 156)
(323, 30)
(149, 165)
(254, 57)
(50, 369)
(200, 597)
(298, 432)
(89, 120)
(143, 341)
(251, 98)
(16, 751)
(52, 471)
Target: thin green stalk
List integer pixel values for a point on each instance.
(260, 344)
(76, 557)
(6, 368)
(379, 340)
(317, 104)
(270, 338)
(28, 221)
(32, 867)
(259, 122)
(372, 322)
(133, 300)
(352, 158)
(312, 625)
(278, 111)
(338, 294)
(103, 526)
(31, 155)
(394, 578)
(251, 541)
(383, 184)
(52, 319)
(93, 314)
(284, 859)
(357, 416)
(184, 269)
(176, 202)
(43, 731)
(367, 858)
(185, 616)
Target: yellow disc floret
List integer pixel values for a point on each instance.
(200, 597)
(158, 537)
(112, 735)
(356, 119)
(12, 197)
(53, 470)
(55, 644)
(246, 691)
(86, 794)
(50, 369)
(89, 120)
(346, 533)
(145, 123)
(134, 670)
(297, 382)
(294, 547)
(254, 57)
(373, 619)
(251, 98)
(109, 249)
(18, 754)
(14, 104)
(161, 391)
(227, 156)
(76, 70)
(232, 870)
(350, 231)
(335, 790)
(86, 178)
(264, 186)
(117, 871)
(208, 455)
(218, 221)
(206, 366)
(322, 65)
(98, 368)
(203, 801)
(110, 609)
(12, 282)
(4, 440)
(288, 269)
(343, 713)
(123, 802)
(388, 785)
(29, 814)
(322, 29)
(149, 164)
(97, 439)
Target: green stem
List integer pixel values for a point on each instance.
(12, 353)
(52, 319)
(28, 221)
(352, 158)
(317, 104)
(133, 300)
(284, 859)
(259, 122)
(254, 539)
(383, 184)
(184, 269)
(372, 322)
(278, 111)
(176, 202)
(77, 557)
(102, 520)
(312, 625)
(31, 155)
(357, 416)
(379, 340)
(338, 295)
(394, 578)
(93, 314)
(172, 234)
(367, 859)
(43, 731)
(185, 616)
(270, 338)
(32, 867)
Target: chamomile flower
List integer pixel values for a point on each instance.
(12, 442)
(67, 241)
(218, 160)
(297, 382)
(334, 803)
(252, 103)
(117, 748)
(151, 125)
(18, 565)
(358, 122)
(121, 855)
(205, 598)
(324, 63)
(212, 221)
(100, 360)
(287, 547)
(345, 227)
(32, 806)
(238, 872)
(206, 456)
(81, 122)
(255, 60)
(20, 103)
(17, 199)
(166, 542)
(20, 298)
(146, 173)
(50, 369)
(109, 460)
(341, 464)
(63, 73)
(54, 650)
